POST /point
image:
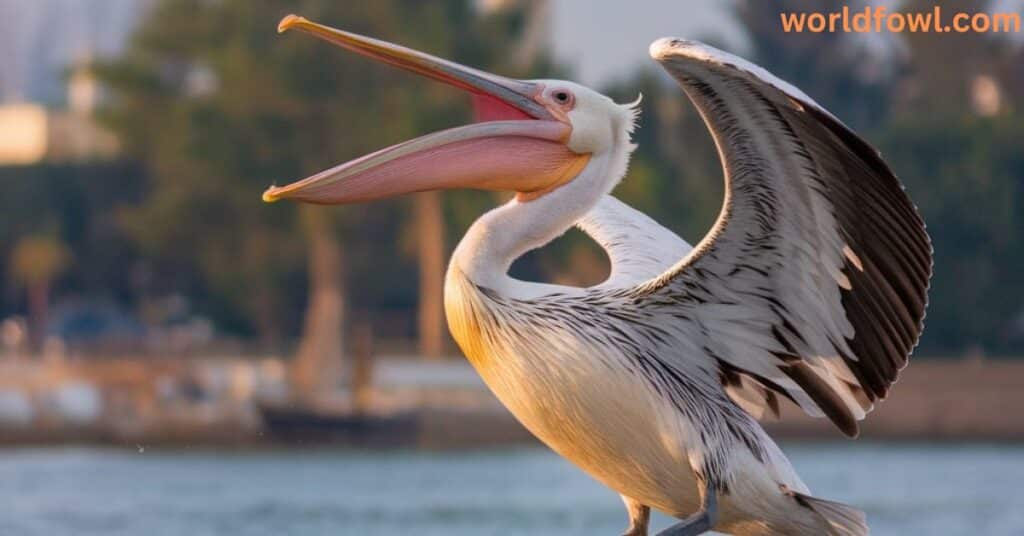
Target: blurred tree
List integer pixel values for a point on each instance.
(431, 256)
(78, 204)
(218, 107)
(840, 71)
(966, 177)
(953, 74)
(35, 263)
(55, 213)
(954, 139)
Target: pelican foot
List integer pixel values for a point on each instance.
(694, 525)
(698, 523)
(639, 515)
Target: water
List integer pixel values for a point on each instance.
(906, 490)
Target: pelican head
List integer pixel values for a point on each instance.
(531, 136)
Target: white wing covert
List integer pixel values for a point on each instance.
(638, 247)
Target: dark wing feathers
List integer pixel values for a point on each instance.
(813, 281)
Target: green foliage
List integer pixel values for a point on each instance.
(218, 107)
(77, 205)
(967, 178)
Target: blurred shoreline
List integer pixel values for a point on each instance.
(412, 404)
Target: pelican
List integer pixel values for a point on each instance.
(810, 286)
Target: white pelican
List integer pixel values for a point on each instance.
(811, 285)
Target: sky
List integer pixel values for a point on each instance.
(607, 39)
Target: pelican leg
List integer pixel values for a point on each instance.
(639, 515)
(700, 522)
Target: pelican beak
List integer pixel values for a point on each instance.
(519, 145)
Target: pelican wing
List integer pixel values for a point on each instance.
(813, 281)
(637, 247)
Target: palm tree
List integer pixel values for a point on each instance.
(35, 263)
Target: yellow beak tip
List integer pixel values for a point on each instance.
(269, 197)
(288, 21)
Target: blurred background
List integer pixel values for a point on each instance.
(178, 357)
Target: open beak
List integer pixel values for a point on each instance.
(520, 146)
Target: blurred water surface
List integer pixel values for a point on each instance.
(906, 489)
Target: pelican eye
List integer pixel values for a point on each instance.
(563, 97)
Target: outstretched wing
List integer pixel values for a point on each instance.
(813, 281)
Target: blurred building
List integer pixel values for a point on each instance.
(32, 133)
(44, 117)
(41, 38)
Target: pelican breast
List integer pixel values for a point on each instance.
(575, 395)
